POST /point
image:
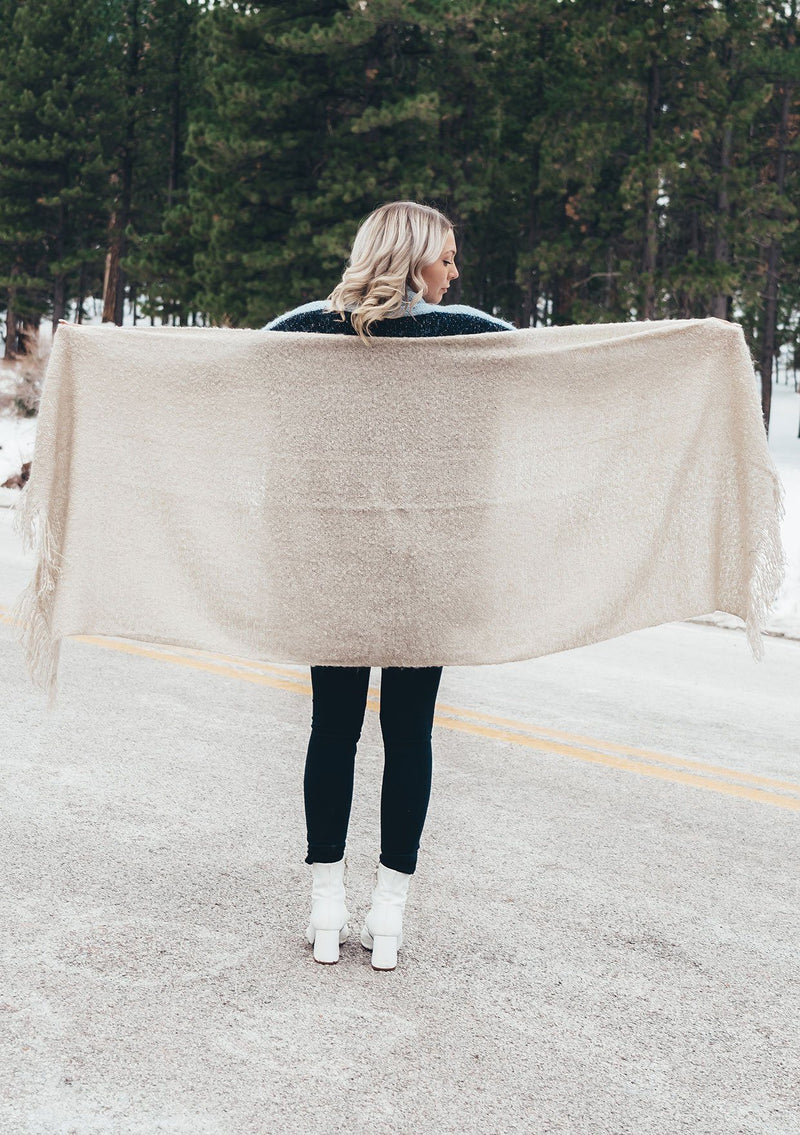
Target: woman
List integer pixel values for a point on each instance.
(402, 263)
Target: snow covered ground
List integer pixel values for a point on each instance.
(18, 437)
(17, 441)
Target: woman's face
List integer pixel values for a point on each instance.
(437, 276)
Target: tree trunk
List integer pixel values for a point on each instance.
(59, 299)
(60, 281)
(12, 320)
(770, 295)
(111, 278)
(530, 292)
(720, 301)
(81, 292)
(29, 335)
(11, 329)
(114, 288)
(650, 247)
(611, 279)
(175, 124)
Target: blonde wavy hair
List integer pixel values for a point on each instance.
(391, 246)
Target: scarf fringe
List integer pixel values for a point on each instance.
(32, 612)
(767, 572)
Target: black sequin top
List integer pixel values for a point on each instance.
(427, 320)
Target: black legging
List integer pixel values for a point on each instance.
(408, 698)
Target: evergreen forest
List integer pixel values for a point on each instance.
(208, 161)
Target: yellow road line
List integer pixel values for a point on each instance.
(541, 739)
(577, 739)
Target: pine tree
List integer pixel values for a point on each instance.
(54, 143)
(777, 60)
(254, 142)
(601, 159)
(159, 258)
(318, 113)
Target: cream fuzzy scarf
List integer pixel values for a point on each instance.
(308, 498)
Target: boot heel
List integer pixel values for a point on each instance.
(326, 946)
(384, 951)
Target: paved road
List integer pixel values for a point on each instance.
(602, 935)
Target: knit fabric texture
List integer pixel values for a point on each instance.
(418, 320)
(454, 500)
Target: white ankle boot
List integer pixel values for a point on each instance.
(383, 927)
(329, 914)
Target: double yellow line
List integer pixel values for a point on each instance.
(645, 762)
